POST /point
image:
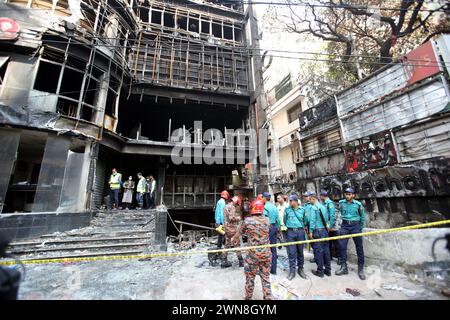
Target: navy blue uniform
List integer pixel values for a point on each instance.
(295, 221)
(319, 231)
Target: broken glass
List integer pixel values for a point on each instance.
(51, 175)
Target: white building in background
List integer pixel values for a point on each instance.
(286, 102)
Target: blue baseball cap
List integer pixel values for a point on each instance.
(293, 197)
(266, 195)
(350, 190)
(313, 194)
(324, 193)
(307, 194)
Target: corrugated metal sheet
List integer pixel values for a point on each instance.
(321, 143)
(375, 87)
(389, 80)
(428, 140)
(416, 104)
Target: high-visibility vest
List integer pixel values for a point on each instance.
(114, 181)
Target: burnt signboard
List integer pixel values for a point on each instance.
(424, 178)
(320, 113)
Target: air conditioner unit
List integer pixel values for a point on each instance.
(294, 137)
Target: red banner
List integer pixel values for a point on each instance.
(421, 63)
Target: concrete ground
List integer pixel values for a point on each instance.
(192, 278)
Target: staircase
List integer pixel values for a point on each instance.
(110, 233)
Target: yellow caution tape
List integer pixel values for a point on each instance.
(187, 253)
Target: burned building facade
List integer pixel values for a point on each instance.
(387, 137)
(91, 85)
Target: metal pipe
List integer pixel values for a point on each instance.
(194, 225)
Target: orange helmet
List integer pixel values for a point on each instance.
(224, 194)
(257, 207)
(259, 197)
(236, 200)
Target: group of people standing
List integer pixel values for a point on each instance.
(262, 222)
(145, 191)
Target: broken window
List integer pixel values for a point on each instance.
(72, 186)
(71, 84)
(217, 30)
(237, 34)
(228, 32)
(47, 77)
(90, 90)
(182, 23)
(86, 113)
(156, 17)
(205, 27)
(51, 175)
(67, 107)
(194, 23)
(294, 113)
(144, 14)
(110, 108)
(169, 20)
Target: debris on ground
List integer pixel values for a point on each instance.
(409, 293)
(353, 292)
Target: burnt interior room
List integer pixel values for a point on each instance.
(153, 116)
(126, 164)
(204, 217)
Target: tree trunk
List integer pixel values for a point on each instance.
(385, 52)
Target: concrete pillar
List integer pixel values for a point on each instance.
(84, 179)
(100, 100)
(161, 212)
(161, 179)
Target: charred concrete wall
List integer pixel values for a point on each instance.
(86, 70)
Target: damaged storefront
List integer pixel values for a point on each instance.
(390, 144)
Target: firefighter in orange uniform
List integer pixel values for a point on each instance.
(257, 261)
